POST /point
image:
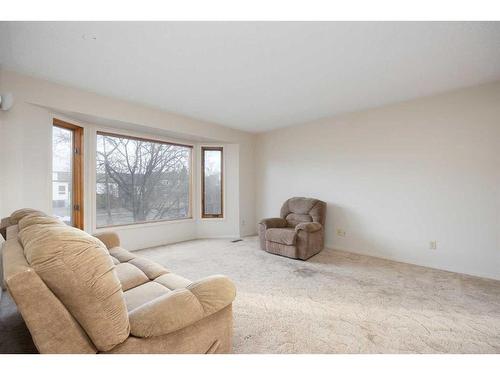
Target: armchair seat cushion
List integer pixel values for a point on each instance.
(285, 236)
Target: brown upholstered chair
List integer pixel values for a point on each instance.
(299, 231)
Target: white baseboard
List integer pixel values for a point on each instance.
(234, 236)
(420, 264)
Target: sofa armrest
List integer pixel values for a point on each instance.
(182, 307)
(274, 222)
(165, 314)
(110, 239)
(308, 227)
(4, 224)
(213, 292)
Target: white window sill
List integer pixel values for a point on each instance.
(144, 225)
(212, 219)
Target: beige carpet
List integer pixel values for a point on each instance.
(341, 303)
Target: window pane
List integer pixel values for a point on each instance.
(212, 182)
(141, 180)
(62, 176)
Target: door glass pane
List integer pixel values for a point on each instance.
(62, 174)
(213, 181)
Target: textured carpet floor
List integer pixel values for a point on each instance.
(338, 302)
(343, 303)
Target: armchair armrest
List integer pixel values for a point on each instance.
(308, 227)
(274, 222)
(182, 307)
(109, 239)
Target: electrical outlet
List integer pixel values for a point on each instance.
(341, 232)
(433, 245)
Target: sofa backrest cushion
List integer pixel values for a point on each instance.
(79, 271)
(298, 210)
(19, 214)
(36, 218)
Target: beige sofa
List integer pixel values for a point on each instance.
(299, 231)
(85, 294)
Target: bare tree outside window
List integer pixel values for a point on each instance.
(141, 180)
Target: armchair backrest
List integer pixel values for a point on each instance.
(298, 210)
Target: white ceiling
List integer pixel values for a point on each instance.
(256, 76)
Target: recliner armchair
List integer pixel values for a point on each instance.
(299, 231)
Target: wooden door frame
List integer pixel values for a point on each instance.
(77, 193)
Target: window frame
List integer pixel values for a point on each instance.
(203, 214)
(152, 140)
(77, 171)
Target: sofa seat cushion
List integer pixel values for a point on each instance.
(121, 254)
(144, 293)
(173, 281)
(284, 236)
(130, 276)
(151, 269)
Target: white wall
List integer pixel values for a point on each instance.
(397, 177)
(25, 156)
(394, 178)
(247, 173)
